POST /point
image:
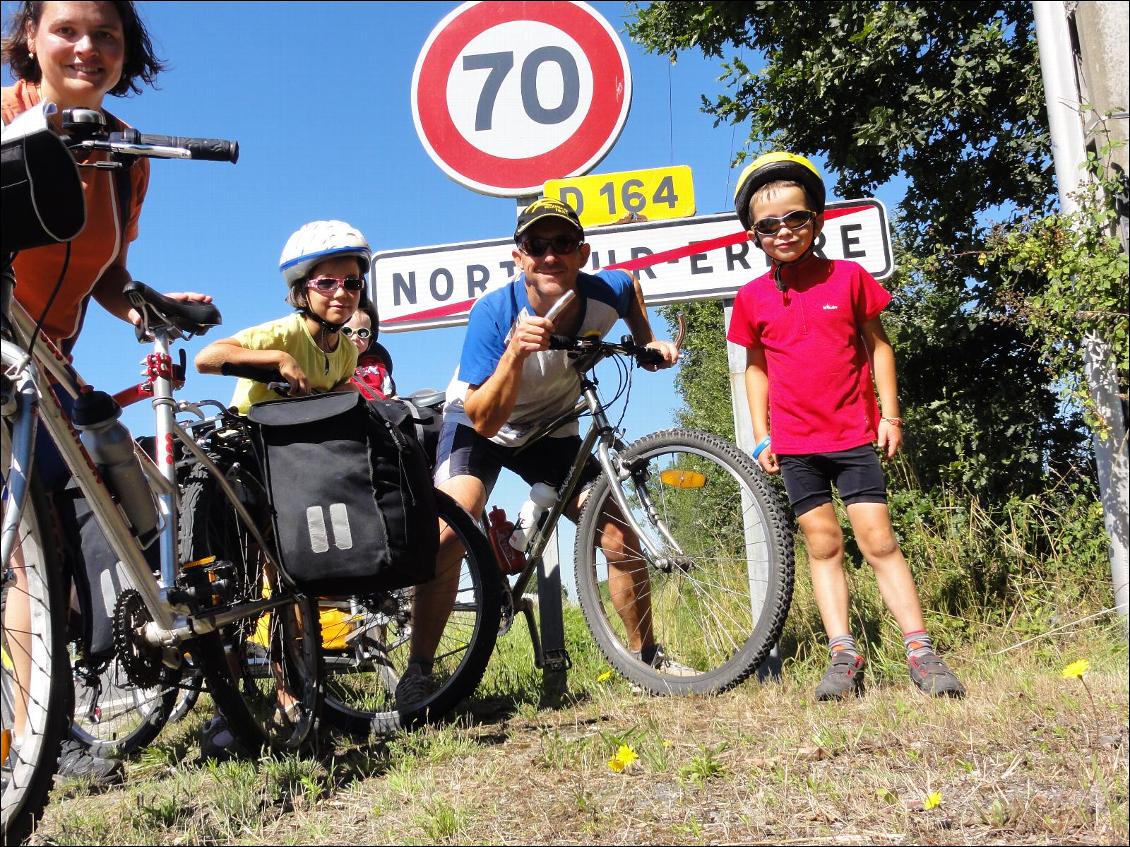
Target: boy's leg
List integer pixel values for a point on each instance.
(875, 535)
(808, 482)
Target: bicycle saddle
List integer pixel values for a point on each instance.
(188, 316)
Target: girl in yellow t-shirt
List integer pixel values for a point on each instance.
(324, 264)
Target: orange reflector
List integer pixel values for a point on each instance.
(207, 560)
(5, 744)
(683, 479)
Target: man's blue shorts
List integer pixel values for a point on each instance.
(463, 452)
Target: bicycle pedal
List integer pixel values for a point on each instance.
(557, 661)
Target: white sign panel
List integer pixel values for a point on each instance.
(688, 259)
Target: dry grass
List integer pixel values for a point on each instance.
(1028, 757)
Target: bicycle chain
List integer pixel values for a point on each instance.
(140, 661)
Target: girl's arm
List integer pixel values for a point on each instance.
(228, 351)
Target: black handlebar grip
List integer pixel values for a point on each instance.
(253, 372)
(210, 149)
(561, 342)
(649, 356)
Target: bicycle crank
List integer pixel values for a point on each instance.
(141, 661)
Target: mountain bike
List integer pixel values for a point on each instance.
(209, 607)
(715, 555)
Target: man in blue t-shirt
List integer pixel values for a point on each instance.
(507, 384)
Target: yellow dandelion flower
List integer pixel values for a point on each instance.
(604, 677)
(1076, 669)
(932, 801)
(623, 759)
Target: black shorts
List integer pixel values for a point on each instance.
(856, 473)
(463, 452)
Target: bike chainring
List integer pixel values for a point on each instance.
(140, 661)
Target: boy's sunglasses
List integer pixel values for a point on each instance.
(361, 332)
(561, 244)
(793, 220)
(330, 284)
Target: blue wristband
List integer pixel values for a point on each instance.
(760, 448)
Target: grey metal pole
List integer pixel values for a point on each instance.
(1064, 103)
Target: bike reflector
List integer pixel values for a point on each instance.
(683, 478)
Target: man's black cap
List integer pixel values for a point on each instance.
(546, 207)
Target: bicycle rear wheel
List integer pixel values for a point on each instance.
(264, 672)
(35, 690)
(366, 641)
(719, 591)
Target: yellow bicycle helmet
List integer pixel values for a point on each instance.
(775, 166)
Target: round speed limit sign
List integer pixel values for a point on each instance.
(508, 95)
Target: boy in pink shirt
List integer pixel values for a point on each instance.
(814, 342)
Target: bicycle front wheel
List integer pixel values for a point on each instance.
(35, 688)
(715, 592)
(367, 640)
(264, 672)
(115, 717)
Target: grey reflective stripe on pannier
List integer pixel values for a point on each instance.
(351, 495)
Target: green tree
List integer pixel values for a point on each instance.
(948, 98)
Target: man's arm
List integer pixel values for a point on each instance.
(640, 327)
(489, 405)
(886, 382)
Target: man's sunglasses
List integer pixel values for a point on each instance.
(795, 220)
(330, 284)
(361, 332)
(561, 244)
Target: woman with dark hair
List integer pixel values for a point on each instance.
(73, 54)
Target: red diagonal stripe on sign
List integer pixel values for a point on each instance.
(630, 265)
(712, 244)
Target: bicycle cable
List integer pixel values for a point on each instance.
(50, 300)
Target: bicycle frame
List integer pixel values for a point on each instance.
(33, 374)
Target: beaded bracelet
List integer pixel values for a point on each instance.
(893, 421)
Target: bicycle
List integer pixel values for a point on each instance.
(208, 607)
(715, 541)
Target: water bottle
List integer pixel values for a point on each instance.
(499, 529)
(542, 496)
(110, 445)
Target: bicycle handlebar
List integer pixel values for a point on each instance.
(258, 373)
(86, 130)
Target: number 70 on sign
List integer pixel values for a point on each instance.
(654, 194)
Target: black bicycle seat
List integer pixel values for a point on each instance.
(188, 316)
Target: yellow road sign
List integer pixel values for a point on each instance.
(652, 194)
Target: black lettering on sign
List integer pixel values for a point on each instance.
(846, 233)
(696, 268)
(643, 251)
(449, 284)
(408, 289)
(574, 198)
(499, 65)
(477, 276)
(507, 266)
(818, 246)
(736, 255)
(570, 85)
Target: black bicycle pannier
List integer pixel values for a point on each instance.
(352, 500)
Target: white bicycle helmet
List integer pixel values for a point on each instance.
(319, 240)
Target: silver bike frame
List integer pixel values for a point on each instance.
(36, 401)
